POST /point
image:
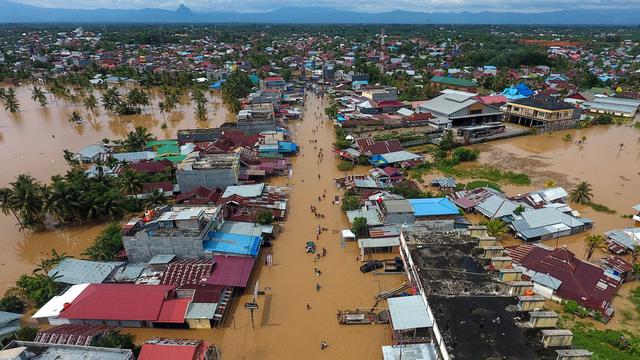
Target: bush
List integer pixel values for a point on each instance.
(27, 333)
(604, 119)
(571, 306)
(341, 143)
(465, 154)
(407, 191)
(359, 227)
(363, 160)
(106, 245)
(264, 218)
(601, 208)
(39, 288)
(483, 183)
(345, 166)
(350, 202)
(447, 142)
(12, 303)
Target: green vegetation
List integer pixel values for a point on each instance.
(114, 339)
(345, 166)
(237, 86)
(606, 344)
(464, 154)
(482, 183)
(106, 245)
(600, 208)
(27, 333)
(582, 193)
(264, 218)
(594, 241)
(447, 142)
(634, 297)
(12, 303)
(350, 202)
(408, 191)
(331, 111)
(359, 227)
(495, 227)
(487, 173)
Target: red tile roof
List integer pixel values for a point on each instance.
(164, 186)
(151, 167)
(187, 272)
(200, 196)
(581, 281)
(118, 302)
(173, 311)
(231, 271)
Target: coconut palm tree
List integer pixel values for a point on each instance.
(593, 242)
(582, 193)
(6, 205)
(11, 103)
(91, 103)
(27, 201)
(75, 117)
(155, 198)
(495, 227)
(137, 140)
(37, 94)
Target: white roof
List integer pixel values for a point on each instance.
(424, 351)
(253, 190)
(348, 234)
(182, 214)
(555, 193)
(409, 312)
(54, 307)
(405, 112)
(378, 242)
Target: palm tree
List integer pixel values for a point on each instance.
(75, 117)
(593, 242)
(137, 140)
(155, 198)
(582, 193)
(47, 264)
(495, 227)
(37, 94)
(111, 100)
(27, 201)
(11, 103)
(6, 206)
(91, 103)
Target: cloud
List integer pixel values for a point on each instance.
(356, 5)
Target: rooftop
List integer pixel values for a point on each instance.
(77, 271)
(544, 102)
(196, 161)
(38, 351)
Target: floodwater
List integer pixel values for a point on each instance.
(284, 328)
(612, 171)
(32, 142)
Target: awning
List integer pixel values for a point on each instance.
(348, 234)
(409, 312)
(173, 311)
(378, 242)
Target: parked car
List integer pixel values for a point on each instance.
(372, 265)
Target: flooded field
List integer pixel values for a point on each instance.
(32, 142)
(612, 171)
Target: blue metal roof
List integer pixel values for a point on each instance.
(221, 242)
(287, 147)
(433, 207)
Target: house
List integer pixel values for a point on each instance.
(199, 196)
(236, 238)
(557, 273)
(401, 159)
(441, 82)
(134, 157)
(543, 112)
(178, 230)
(623, 240)
(208, 170)
(9, 324)
(176, 349)
(127, 305)
(20, 350)
(258, 118)
(380, 94)
(71, 334)
(579, 97)
(460, 109)
(77, 271)
(48, 314)
(612, 106)
(546, 223)
(369, 147)
(91, 153)
(432, 213)
(150, 167)
(255, 198)
(520, 91)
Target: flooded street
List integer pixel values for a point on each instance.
(32, 142)
(285, 329)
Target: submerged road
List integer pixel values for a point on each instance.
(284, 327)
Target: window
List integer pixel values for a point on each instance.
(475, 111)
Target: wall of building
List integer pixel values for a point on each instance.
(142, 247)
(199, 323)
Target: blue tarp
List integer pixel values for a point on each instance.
(433, 207)
(216, 85)
(524, 89)
(221, 242)
(377, 160)
(287, 147)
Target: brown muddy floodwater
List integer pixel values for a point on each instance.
(612, 171)
(285, 329)
(32, 142)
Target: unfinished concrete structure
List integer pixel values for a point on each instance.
(259, 118)
(208, 170)
(178, 230)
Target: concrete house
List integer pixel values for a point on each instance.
(542, 112)
(208, 170)
(460, 109)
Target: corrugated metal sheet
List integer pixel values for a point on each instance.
(409, 312)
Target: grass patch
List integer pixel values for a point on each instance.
(634, 297)
(345, 166)
(482, 183)
(487, 173)
(600, 208)
(606, 344)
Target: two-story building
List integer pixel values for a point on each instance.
(543, 112)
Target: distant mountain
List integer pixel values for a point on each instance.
(11, 12)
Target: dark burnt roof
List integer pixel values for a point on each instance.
(544, 102)
(483, 327)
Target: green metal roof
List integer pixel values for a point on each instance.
(453, 81)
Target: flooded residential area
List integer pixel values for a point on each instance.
(308, 192)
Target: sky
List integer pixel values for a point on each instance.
(356, 5)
